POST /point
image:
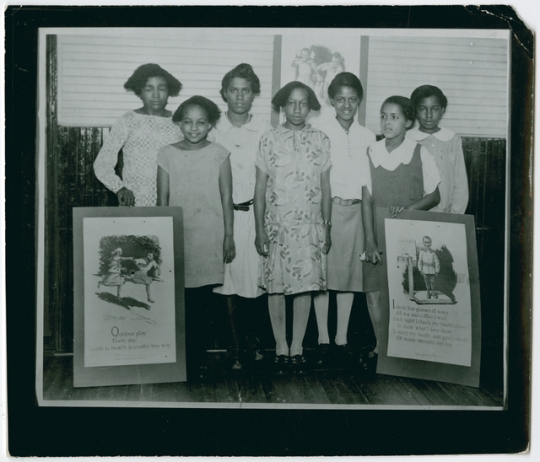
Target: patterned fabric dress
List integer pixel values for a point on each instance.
(242, 142)
(294, 161)
(140, 137)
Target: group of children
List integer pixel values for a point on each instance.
(286, 210)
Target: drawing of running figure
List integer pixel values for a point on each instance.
(305, 67)
(429, 265)
(114, 277)
(148, 271)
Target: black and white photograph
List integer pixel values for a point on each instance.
(275, 326)
(276, 219)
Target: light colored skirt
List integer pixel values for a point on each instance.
(240, 277)
(344, 265)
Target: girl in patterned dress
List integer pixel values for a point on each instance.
(140, 134)
(195, 174)
(402, 175)
(239, 132)
(292, 217)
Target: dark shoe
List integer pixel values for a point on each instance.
(369, 361)
(281, 365)
(435, 295)
(344, 355)
(322, 354)
(254, 346)
(234, 355)
(299, 364)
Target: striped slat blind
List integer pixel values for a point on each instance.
(92, 69)
(472, 73)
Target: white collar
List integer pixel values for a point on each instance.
(444, 134)
(252, 124)
(401, 155)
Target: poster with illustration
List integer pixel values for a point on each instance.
(129, 324)
(315, 58)
(430, 296)
(129, 291)
(428, 285)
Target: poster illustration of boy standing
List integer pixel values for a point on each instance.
(429, 266)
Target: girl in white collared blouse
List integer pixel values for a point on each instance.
(350, 169)
(429, 104)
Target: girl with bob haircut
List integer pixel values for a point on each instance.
(444, 145)
(239, 131)
(140, 134)
(402, 175)
(281, 97)
(195, 174)
(141, 75)
(349, 173)
(292, 218)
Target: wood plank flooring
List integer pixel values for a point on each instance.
(259, 386)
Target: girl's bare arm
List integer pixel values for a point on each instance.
(225, 189)
(427, 202)
(372, 253)
(162, 187)
(259, 205)
(326, 206)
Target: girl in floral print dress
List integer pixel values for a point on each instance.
(140, 134)
(292, 212)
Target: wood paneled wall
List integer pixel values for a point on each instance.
(71, 183)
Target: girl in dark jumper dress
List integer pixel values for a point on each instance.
(403, 175)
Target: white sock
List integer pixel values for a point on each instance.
(344, 306)
(321, 300)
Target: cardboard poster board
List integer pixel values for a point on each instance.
(430, 297)
(129, 296)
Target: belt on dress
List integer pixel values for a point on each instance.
(244, 206)
(340, 201)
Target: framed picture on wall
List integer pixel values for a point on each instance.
(430, 295)
(129, 296)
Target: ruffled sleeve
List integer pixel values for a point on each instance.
(107, 158)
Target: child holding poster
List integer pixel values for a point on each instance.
(402, 174)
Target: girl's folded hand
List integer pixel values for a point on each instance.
(125, 197)
(262, 243)
(229, 249)
(372, 254)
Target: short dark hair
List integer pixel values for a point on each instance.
(242, 71)
(425, 91)
(281, 97)
(212, 111)
(403, 103)
(345, 79)
(141, 75)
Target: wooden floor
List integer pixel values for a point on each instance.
(259, 386)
